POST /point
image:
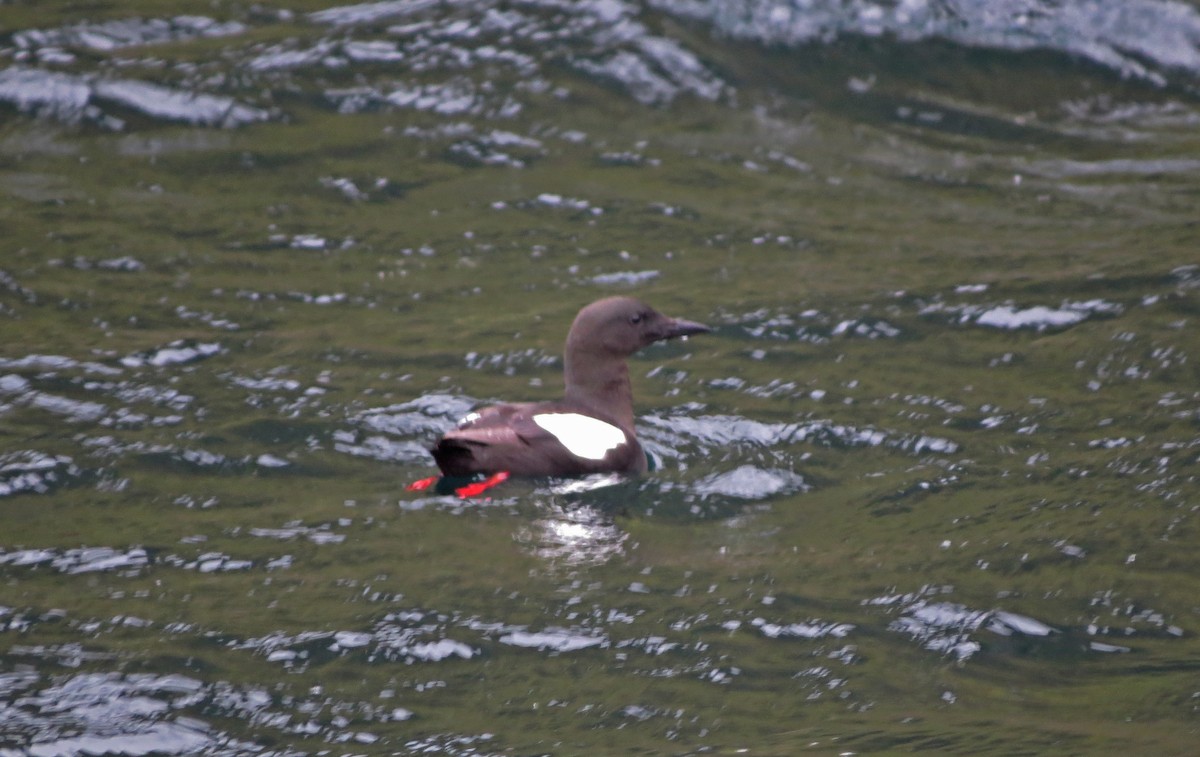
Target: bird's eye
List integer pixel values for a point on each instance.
(635, 319)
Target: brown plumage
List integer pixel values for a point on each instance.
(590, 430)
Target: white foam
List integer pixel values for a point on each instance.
(813, 630)
(440, 650)
(582, 435)
(556, 640)
(1011, 621)
(351, 639)
(1039, 317)
(159, 738)
(750, 482)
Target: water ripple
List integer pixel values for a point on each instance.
(1148, 39)
(950, 628)
(33, 471)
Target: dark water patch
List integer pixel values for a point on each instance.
(1114, 119)
(123, 264)
(910, 493)
(208, 318)
(110, 447)
(284, 436)
(35, 188)
(1152, 167)
(10, 286)
(198, 459)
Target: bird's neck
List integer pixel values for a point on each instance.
(599, 384)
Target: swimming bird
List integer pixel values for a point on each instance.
(589, 430)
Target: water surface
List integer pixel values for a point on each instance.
(930, 485)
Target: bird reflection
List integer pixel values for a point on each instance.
(571, 533)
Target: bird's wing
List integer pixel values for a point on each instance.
(511, 438)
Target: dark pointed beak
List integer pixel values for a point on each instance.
(678, 327)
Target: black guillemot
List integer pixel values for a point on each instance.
(589, 430)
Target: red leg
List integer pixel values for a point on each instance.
(423, 484)
(470, 490)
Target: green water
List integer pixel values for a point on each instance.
(838, 243)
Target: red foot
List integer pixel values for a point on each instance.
(470, 490)
(423, 484)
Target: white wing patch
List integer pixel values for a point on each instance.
(583, 436)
